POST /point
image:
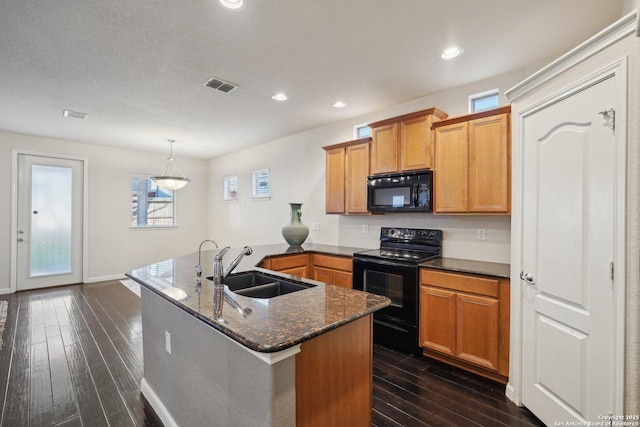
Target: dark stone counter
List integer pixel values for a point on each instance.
(468, 266)
(276, 323)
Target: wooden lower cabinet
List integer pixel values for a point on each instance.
(331, 269)
(296, 265)
(335, 270)
(464, 321)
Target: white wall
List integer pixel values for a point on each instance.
(297, 165)
(113, 247)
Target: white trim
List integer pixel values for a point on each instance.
(157, 404)
(15, 153)
(614, 32)
(619, 69)
(104, 278)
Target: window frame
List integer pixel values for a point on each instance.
(254, 178)
(473, 99)
(174, 222)
(226, 190)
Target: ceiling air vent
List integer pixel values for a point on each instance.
(75, 114)
(220, 85)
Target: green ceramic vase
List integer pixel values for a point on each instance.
(295, 233)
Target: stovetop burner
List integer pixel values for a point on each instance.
(410, 245)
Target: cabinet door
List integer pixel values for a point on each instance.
(296, 271)
(477, 333)
(335, 191)
(384, 149)
(489, 165)
(415, 144)
(437, 327)
(322, 274)
(357, 170)
(451, 171)
(343, 278)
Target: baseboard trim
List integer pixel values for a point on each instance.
(156, 404)
(105, 278)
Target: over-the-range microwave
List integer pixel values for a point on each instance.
(400, 192)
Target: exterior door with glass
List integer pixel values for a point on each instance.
(50, 221)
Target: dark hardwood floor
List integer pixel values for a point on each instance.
(72, 356)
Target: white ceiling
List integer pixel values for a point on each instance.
(138, 67)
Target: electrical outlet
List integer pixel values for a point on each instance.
(365, 228)
(167, 341)
(480, 234)
(315, 226)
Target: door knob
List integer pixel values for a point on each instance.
(527, 277)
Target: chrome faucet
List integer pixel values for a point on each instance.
(219, 273)
(198, 267)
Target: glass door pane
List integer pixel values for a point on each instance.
(51, 216)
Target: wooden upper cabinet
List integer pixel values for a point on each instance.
(356, 172)
(384, 148)
(404, 143)
(451, 177)
(346, 176)
(472, 168)
(489, 164)
(335, 192)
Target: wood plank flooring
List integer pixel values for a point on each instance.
(72, 356)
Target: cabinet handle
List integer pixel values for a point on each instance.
(527, 277)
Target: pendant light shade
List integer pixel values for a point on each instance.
(170, 180)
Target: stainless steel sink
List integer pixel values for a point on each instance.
(256, 284)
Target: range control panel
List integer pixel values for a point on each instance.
(411, 235)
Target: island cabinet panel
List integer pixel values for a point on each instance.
(334, 374)
(347, 168)
(464, 321)
(472, 167)
(296, 265)
(335, 270)
(404, 143)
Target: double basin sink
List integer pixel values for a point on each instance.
(256, 284)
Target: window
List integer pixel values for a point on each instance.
(361, 131)
(261, 183)
(152, 206)
(483, 101)
(231, 187)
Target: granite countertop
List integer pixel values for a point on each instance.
(468, 266)
(276, 323)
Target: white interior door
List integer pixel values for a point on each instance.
(568, 241)
(49, 243)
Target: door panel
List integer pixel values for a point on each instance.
(568, 240)
(49, 245)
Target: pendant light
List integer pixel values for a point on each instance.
(168, 180)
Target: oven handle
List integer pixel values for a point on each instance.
(383, 262)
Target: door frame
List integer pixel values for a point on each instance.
(616, 70)
(14, 210)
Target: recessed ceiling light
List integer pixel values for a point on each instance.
(280, 97)
(339, 104)
(232, 4)
(75, 114)
(451, 52)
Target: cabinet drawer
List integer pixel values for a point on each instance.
(289, 261)
(334, 262)
(460, 282)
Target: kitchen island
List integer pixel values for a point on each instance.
(303, 358)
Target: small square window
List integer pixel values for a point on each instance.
(152, 206)
(361, 131)
(261, 185)
(231, 187)
(484, 101)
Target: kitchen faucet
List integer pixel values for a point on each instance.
(198, 267)
(219, 273)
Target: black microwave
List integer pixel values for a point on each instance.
(400, 192)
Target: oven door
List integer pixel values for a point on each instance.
(397, 281)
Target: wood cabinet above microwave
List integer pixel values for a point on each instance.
(404, 143)
(347, 171)
(472, 166)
